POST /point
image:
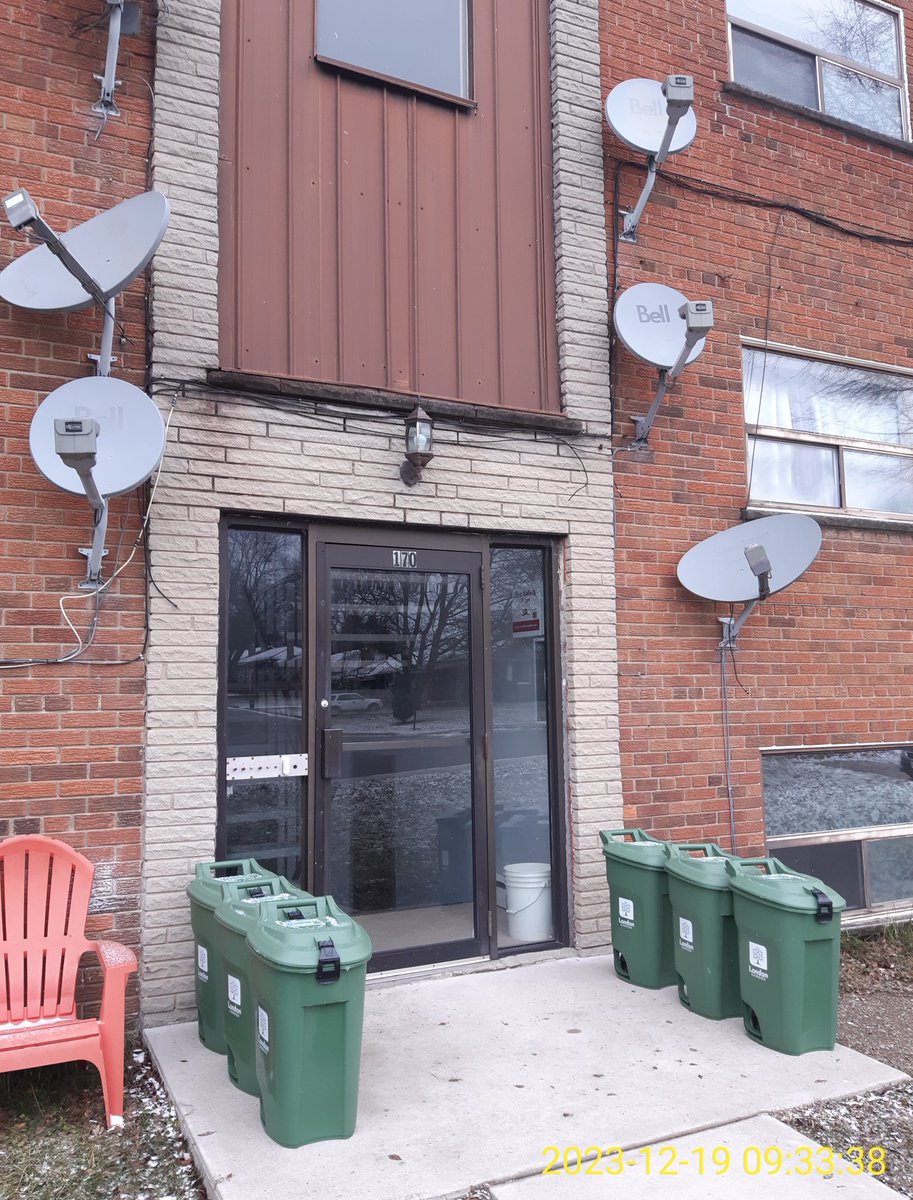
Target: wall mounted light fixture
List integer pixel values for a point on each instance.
(419, 446)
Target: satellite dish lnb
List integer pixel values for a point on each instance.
(749, 562)
(97, 437)
(664, 328)
(656, 119)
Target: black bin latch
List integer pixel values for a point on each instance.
(256, 893)
(825, 911)
(328, 965)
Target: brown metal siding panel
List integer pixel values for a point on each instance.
(399, 236)
(263, 190)
(313, 300)
(387, 240)
(518, 243)
(435, 253)
(228, 183)
(479, 348)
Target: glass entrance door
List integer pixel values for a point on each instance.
(401, 837)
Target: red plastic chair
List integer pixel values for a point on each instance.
(44, 899)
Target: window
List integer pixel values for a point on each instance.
(845, 816)
(419, 42)
(828, 435)
(841, 57)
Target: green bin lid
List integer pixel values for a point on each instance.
(208, 888)
(700, 863)
(240, 906)
(289, 934)
(772, 882)
(642, 849)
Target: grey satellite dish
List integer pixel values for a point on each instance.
(637, 113)
(112, 248)
(649, 322)
(750, 562)
(131, 434)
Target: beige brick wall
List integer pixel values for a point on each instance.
(228, 453)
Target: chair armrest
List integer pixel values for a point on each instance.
(117, 962)
(114, 957)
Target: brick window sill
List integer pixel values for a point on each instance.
(810, 114)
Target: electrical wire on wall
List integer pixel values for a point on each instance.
(84, 642)
(727, 745)
(327, 414)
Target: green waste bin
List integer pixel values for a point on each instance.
(206, 892)
(704, 938)
(789, 954)
(239, 909)
(641, 914)
(308, 963)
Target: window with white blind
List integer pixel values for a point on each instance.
(828, 435)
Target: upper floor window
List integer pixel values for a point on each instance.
(828, 435)
(841, 57)
(420, 42)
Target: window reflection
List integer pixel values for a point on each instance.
(521, 750)
(263, 694)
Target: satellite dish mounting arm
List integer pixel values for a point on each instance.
(105, 106)
(698, 316)
(759, 561)
(75, 440)
(678, 91)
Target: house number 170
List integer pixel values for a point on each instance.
(405, 558)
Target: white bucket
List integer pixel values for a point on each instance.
(529, 902)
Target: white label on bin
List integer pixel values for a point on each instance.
(263, 1029)
(203, 963)
(685, 934)
(757, 960)
(234, 996)
(626, 912)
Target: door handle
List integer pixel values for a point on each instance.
(331, 758)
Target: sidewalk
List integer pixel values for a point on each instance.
(467, 1079)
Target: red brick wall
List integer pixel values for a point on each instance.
(830, 660)
(70, 735)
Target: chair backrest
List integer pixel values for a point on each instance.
(44, 899)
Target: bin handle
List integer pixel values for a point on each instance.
(672, 847)
(825, 904)
(734, 865)
(229, 867)
(329, 965)
(608, 836)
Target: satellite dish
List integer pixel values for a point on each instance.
(649, 324)
(113, 248)
(636, 111)
(131, 439)
(720, 568)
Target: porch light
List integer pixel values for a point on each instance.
(419, 446)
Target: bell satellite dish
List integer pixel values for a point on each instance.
(650, 323)
(750, 562)
(130, 436)
(637, 112)
(111, 249)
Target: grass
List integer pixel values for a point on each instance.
(889, 948)
(54, 1144)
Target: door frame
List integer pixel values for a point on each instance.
(317, 533)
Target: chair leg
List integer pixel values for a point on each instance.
(111, 1069)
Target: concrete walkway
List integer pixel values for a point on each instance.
(469, 1078)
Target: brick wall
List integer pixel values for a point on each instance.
(829, 661)
(70, 735)
(226, 453)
